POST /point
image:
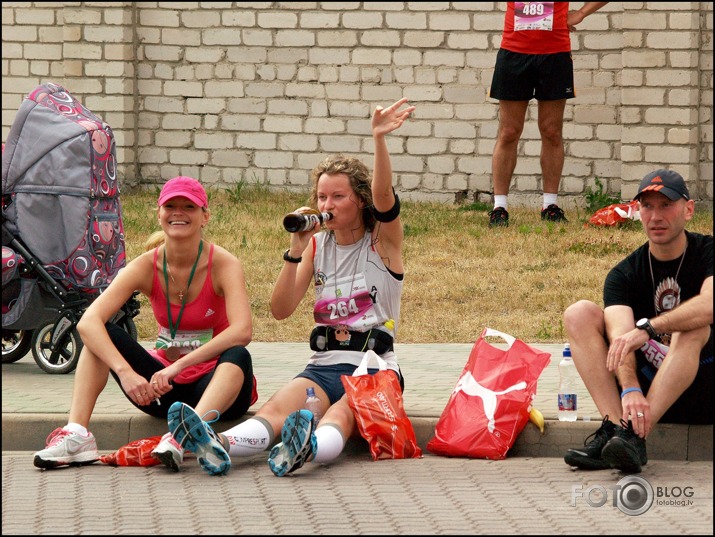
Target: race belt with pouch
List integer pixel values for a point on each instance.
(327, 338)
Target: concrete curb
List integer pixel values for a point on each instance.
(27, 432)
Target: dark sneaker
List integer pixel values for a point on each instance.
(498, 217)
(589, 456)
(553, 213)
(626, 450)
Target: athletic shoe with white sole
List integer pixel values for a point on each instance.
(298, 446)
(169, 452)
(67, 448)
(194, 434)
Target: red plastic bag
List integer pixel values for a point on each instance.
(615, 214)
(376, 402)
(489, 407)
(135, 453)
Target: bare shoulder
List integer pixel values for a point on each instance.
(225, 260)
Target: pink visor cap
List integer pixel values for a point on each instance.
(186, 187)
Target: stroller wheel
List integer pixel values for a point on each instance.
(15, 345)
(63, 359)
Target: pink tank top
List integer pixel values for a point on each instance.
(203, 318)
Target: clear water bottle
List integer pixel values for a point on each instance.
(567, 387)
(294, 222)
(312, 403)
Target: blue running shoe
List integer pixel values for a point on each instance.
(298, 445)
(194, 434)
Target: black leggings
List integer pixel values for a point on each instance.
(146, 365)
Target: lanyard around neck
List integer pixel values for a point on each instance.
(173, 328)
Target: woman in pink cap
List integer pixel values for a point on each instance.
(197, 292)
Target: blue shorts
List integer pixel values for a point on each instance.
(328, 378)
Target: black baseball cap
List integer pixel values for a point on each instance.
(667, 182)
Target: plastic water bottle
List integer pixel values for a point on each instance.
(567, 387)
(312, 403)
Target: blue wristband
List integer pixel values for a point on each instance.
(629, 390)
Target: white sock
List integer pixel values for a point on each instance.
(499, 201)
(330, 442)
(77, 428)
(250, 437)
(550, 199)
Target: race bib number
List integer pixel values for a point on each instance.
(184, 342)
(533, 16)
(348, 303)
(654, 352)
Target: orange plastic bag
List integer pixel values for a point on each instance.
(615, 214)
(135, 453)
(376, 402)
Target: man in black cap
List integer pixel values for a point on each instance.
(648, 356)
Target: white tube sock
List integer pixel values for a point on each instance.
(249, 437)
(330, 441)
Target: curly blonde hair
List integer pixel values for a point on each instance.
(360, 181)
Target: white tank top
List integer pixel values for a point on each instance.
(363, 296)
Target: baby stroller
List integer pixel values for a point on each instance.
(62, 231)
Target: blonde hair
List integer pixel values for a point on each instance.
(360, 181)
(155, 240)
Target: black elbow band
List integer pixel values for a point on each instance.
(390, 214)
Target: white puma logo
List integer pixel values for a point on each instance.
(469, 385)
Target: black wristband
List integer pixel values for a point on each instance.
(287, 257)
(390, 214)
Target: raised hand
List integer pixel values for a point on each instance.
(386, 120)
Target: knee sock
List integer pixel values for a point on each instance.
(549, 199)
(499, 201)
(330, 441)
(249, 437)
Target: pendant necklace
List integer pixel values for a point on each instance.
(652, 278)
(172, 353)
(181, 291)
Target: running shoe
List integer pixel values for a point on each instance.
(298, 445)
(626, 450)
(589, 456)
(194, 434)
(553, 213)
(67, 448)
(498, 217)
(169, 452)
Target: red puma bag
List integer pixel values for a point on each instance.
(489, 407)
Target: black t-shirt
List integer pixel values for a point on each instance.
(631, 283)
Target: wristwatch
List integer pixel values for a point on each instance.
(644, 324)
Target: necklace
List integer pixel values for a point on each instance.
(174, 327)
(652, 278)
(181, 291)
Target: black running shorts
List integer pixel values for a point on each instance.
(522, 77)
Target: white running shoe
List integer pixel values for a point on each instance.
(169, 452)
(67, 448)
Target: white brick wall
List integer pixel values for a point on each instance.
(227, 91)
